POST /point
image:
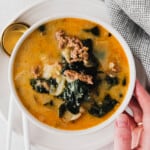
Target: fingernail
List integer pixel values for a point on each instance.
(122, 121)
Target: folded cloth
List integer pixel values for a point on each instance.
(132, 19)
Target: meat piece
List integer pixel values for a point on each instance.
(114, 67)
(78, 51)
(61, 38)
(78, 55)
(73, 75)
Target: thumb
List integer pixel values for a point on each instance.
(122, 133)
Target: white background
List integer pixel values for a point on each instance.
(8, 10)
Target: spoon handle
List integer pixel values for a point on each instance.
(26, 132)
(9, 125)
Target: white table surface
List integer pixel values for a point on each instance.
(8, 10)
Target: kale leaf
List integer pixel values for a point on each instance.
(62, 110)
(95, 31)
(124, 82)
(107, 105)
(39, 84)
(42, 28)
(112, 81)
(88, 43)
(74, 95)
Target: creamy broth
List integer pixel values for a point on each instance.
(41, 48)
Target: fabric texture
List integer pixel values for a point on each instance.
(131, 18)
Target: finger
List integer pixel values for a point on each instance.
(136, 137)
(132, 122)
(143, 98)
(122, 133)
(136, 132)
(136, 109)
(145, 142)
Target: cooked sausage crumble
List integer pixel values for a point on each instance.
(78, 52)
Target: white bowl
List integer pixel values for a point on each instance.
(127, 97)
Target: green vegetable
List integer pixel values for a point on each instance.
(38, 87)
(100, 54)
(109, 34)
(100, 72)
(111, 81)
(124, 82)
(62, 110)
(120, 95)
(79, 67)
(39, 84)
(50, 103)
(95, 31)
(75, 94)
(42, 28)
(107, 105)
(88, 43)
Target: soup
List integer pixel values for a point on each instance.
(71, 74)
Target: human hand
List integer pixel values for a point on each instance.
(128, 134)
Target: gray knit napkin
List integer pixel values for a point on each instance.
(132, 19)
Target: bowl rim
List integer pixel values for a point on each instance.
(95, 128)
